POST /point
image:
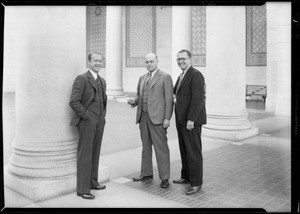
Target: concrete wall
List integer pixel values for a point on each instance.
(255, 75)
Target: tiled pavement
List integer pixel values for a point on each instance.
(235, 176)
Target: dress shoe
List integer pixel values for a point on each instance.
(192, 190)
(165, 183)
(181, 181)
(143, 178)
(86, 195)
(100, 186)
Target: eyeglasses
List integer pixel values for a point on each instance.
(181, 59)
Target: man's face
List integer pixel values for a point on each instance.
(96, 63)
(151, 62)
(183, 61)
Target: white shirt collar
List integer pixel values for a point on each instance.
(184, 72)
(153, 73)
(94, 74)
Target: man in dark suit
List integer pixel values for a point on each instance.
(88, 100)
(190, 114)
(155, 107)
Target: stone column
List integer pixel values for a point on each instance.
(49, 54)
(181, 34)
(226, 74)
(114, 51)
(279, 58)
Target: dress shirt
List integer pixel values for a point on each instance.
(184, 72)
(153, 73)
(94, 74)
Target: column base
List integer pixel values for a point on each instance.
(236, 135)
(40, 190)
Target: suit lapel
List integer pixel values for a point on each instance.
(142, 83)
(91, 79)
(188, 73)
(155, 78)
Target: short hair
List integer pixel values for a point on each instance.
(91, 54)
(186, 51)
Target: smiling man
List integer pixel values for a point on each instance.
(190, 115)
(88, 100)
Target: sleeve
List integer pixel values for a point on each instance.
(168, 90)
(197, 99)
(76, 96)
(137, 96)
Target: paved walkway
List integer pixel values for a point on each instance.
(251, 173)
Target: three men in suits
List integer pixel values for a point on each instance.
(190, 115)
(88, 100)
(154, 101)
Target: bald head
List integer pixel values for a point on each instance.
(151, 62)
(151, 55)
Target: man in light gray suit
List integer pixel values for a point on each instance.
(154, 101)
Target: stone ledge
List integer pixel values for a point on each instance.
(40, 190)
(230, 135)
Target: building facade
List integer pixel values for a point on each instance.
(46, 48)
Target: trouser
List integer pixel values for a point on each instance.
(88, 152)
(190, 146)
(155, 135)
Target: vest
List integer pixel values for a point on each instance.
(145, 96)
(96, 105)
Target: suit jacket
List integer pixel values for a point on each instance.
(83, 92)
(160, 97)
(190, 98)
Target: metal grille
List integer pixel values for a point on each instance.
(199, 35)
(96, 30)
(140, 34)
(256, 35)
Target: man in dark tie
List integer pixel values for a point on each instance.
(190, 115)
(88, 100)
(155, 106)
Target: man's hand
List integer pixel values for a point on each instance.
(166, 123)
(190, 125)
(131, 102)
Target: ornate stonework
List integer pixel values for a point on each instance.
(256, 35)
(140, 34)
(96, 29)
(199, 35)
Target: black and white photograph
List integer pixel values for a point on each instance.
(148, 106)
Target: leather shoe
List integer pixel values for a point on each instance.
(181, 181)
(192, 190)
(100, 186)
(143, 178)
(86, 195)
(165, 183)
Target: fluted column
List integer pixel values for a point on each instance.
(50, 53)
(114, 50)
(279, 58)
(181, 34)
(226, 74)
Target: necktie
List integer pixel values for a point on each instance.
(148, 78)
(98, 78)
(180, 80)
